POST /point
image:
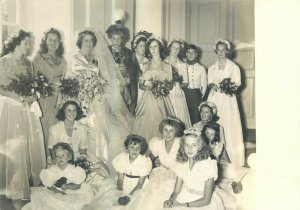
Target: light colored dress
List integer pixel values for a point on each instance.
(54, 73)
(142, 65)
(141, 166)
(177, 95)
(151, 111)
(228, 110)
(44, 199)
(77, 141)
(22, 150)
(194, 182)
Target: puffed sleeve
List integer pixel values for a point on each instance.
(47, 177)
(236, 74)
(77, 176)
(210, 169)
(145, 166)
(154, 146)
(120, 163)
(203, 82)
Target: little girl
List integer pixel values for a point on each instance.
(196, 174)
(64, 184)
(211, 135)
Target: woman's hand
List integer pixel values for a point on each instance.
(168, 203)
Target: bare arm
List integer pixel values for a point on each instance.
(145, 85)
(139, 184)
(120, 181)
(71, 186)
(177, 188)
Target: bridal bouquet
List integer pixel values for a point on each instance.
(228, 87)
(161, 88)
(27, 85)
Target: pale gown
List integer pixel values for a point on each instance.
(228, 110)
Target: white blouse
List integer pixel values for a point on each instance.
(141, 166)
(197, 77)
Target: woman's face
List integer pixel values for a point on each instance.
(62, 158)
(205, 114)
(210, 134)
(134, 150)
(25, 46)
(169, 132)
(191, 146)
(87, 42)
(70, 112)
(191, 54)
(52, 42)
(154, 48)
(116, 40)
(175, 48)
(140, 48)
(222, 51)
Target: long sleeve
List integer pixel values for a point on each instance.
(236, 74)
(203, 84)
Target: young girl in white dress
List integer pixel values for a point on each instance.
(133, 168)
(227, 105)
(196, 175)
(64, 184)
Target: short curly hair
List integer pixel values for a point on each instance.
(64, 146)
(82, 34)
(13, 41)
(214, 118)
(61, 112)
(212, 125)
(202, 154)
(43, 45)
(174, 122)
(162, 52)
(136, 139)
(135, 43)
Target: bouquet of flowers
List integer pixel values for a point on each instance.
(30, 85)
(161, 88)
(70, 87)
(176, 76)
(228, 87)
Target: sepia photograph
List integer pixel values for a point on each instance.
(134, 104)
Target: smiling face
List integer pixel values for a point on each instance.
(175, 49)
(191, 145)
(169, 132)
(134, 149)
(52, 42)
(210, 134)
(205, 114)
(154, 48)
(25, 46)
(87, 42)
(62, 158)
(70, 112)
(140, 48)
(116, 40)
(222, 50)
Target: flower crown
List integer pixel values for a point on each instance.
(87, 29)
(224, 41)
(11, 38)
(139, 35)
(210, 104)
(156, 38)
(192, 131)
(51, 30)
(173, 119)
(180, 41)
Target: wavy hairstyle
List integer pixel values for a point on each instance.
(162, 53)
(214, 116)
(214, 126)
(64, 146)
(81, 35)
(43, 45)
(13, 41)
(174, 122)
(203, 153)
(61, 112)
(136, 139)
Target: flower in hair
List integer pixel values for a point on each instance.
(156, 38)
(192, 131)
(180, 41)
(224, 41)
(139, 35)
(210, 104)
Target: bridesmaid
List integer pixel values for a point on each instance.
(179, 69)
(22, 149)
(152, 110)
(227, 105)
(50, 62)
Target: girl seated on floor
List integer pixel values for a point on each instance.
(65, 188)
(196, 175)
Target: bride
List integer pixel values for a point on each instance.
(106, 113)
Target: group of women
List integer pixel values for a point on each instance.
(128, 106)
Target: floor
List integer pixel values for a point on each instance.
(250, 147)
